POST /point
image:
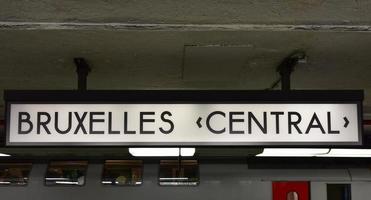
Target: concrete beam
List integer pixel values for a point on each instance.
(317, 12)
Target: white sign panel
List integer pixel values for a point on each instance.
(183, 124)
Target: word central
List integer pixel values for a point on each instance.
(294, 121)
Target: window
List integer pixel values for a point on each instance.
(338, 192)
(66, 173)
(178, 173)
(292, 196)
(122, 172)
(15, 174)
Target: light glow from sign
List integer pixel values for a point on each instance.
(292, 152)
(4, 155)
(315, 152)
(161, 152)
(356, 153)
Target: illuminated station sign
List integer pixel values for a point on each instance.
(184, 118)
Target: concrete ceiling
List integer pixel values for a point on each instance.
(43, 59)
(211, 44)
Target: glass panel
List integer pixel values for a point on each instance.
(292, 196)
(173, 172)
(339, 192)
(14, 174)
(122, 172)
(66, 173)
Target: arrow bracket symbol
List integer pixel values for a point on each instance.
(199, 122)
(346, 122)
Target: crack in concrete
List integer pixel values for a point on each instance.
(179, 27)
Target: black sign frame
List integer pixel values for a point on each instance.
(186, 96)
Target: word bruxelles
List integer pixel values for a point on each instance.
(217, 122)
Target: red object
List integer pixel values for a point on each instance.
(281, 190)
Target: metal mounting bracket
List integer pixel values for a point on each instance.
(82, 69)
(286, 67)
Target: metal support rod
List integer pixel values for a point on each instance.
(82, 69)
(285, 78)
(287, 67)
